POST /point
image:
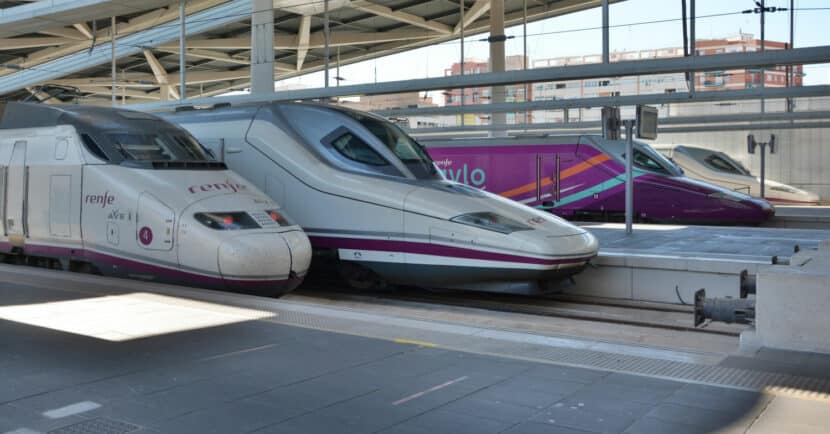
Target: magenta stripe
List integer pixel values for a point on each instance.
(431, 249)
(193, 279)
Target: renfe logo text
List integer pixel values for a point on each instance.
(217, 187)
(102, 199)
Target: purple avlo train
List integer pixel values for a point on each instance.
(583, 178)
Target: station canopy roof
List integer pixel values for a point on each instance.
(55, 49)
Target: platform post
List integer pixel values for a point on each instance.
(182, 52)
(497, 62)
(262, 46)
(629, 176)
(763, 168)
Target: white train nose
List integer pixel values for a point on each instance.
(259, 261)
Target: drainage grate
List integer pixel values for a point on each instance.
(100, 425)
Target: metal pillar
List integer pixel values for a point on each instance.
(327, 40)
(763, 46)
(524, 59)
(497, 39)
(763, 169)
(113, 30)
(790, 69)
(461, 3)
(182, 56)
(606, 38)
(262, 46)
(692, 42)
(629, 176)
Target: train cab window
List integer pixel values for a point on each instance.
(721, 165)
(353, 148)
(410, 152)
(141, 147)
(644, 161)
(93, 147)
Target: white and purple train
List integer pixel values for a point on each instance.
(372, 199)
(127, 194)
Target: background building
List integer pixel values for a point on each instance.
(482, 95)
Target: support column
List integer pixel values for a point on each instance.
(182, 54)
(326, 41)
(497, 39)
(692, 42)
(113, 30)
(262, 46)
(606, 38)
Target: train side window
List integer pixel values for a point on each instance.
(354, 148)
(93, 147)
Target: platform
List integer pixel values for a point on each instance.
(668, 263)
(90, 354)
(805, 217)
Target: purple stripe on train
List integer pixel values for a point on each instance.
(584, 182)
(433, 249)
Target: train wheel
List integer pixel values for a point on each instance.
(360, 277)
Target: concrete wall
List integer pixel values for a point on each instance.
(792, 303)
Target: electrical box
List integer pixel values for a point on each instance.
(646, 122)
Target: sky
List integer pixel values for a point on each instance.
(636, 25)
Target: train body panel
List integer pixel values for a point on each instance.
(721, 169)
(365, 192)
(583, 177)
(178, 221)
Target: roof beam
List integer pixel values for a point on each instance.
(84, 30)
(139, 23)
(207, 54)
(303, 38)
(161, 75)
(480, 7)
(316, 40)
(17, 43)
(64, 32)
(403, 17)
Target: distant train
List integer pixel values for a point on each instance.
(583, 178)
(721, 169)
(127, 194)
(372, 200)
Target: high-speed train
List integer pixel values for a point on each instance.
(371, 199)
(127, 194)
(583, 177)
(721, 169)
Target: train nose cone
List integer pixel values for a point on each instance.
(300, 248)
(261, 263)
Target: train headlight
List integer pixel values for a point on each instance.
(491, 222)
(279, 217)
(225, 221)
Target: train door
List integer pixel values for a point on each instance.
(551, 177)
(17, 189)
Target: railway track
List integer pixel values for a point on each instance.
(624, 312)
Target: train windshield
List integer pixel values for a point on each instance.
(407, 150)
(159, 146)
(647, 158)
(734, 166)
